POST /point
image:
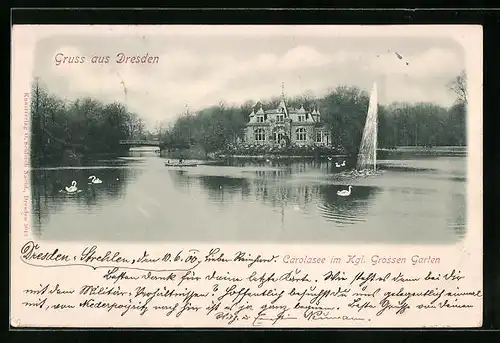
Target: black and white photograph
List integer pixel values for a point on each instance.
(246, 176)
(249, 138)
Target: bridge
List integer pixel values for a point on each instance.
(138, 142)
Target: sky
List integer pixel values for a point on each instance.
(203, 70)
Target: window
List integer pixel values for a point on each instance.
(260, 135)
(319, 137)
(301, 134)
(280, 118)
(278, 134)
(302, 118)
(260, 119)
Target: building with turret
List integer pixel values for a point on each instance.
(283, 126)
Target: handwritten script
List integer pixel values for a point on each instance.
(238, 288)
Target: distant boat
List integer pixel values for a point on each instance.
(168, 164)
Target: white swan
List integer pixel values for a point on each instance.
(72, 188)
(344, 193)
(343, 164)
(337, 165)
(330, 158)
(94, 179)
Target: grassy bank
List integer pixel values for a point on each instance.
(278, 157)
(243, 149)
(430, 151)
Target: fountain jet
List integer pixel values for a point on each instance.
(367, 155)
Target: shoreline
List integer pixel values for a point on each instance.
(277, 157)
(458, 151)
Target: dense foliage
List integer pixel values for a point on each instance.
(344, 110)
(84, 126)
(292, 150)
(87, 126)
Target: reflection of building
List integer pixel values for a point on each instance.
(271, 188)
(284, 126)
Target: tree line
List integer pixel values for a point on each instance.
(343, 109)
(88, 126)
(85, 126)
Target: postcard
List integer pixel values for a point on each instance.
(246, 176)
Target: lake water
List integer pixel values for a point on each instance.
(414, 200)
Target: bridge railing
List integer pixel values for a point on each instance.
(139, 142)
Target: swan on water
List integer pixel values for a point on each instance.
(72, 188)
(337, 165)
(94, 179)
(330, 158)
(343, 164)
(344, 193)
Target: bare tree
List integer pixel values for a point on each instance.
(459, 87)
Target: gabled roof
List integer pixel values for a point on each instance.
(260, 111)
(273, 111)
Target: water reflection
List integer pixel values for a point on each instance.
(459, 210)
(222, 189)
(271, 188)
(180, 179)
(332, 166)
(345, 210)
(47, 198)
(412, 201)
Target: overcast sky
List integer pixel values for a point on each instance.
(201, 71)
